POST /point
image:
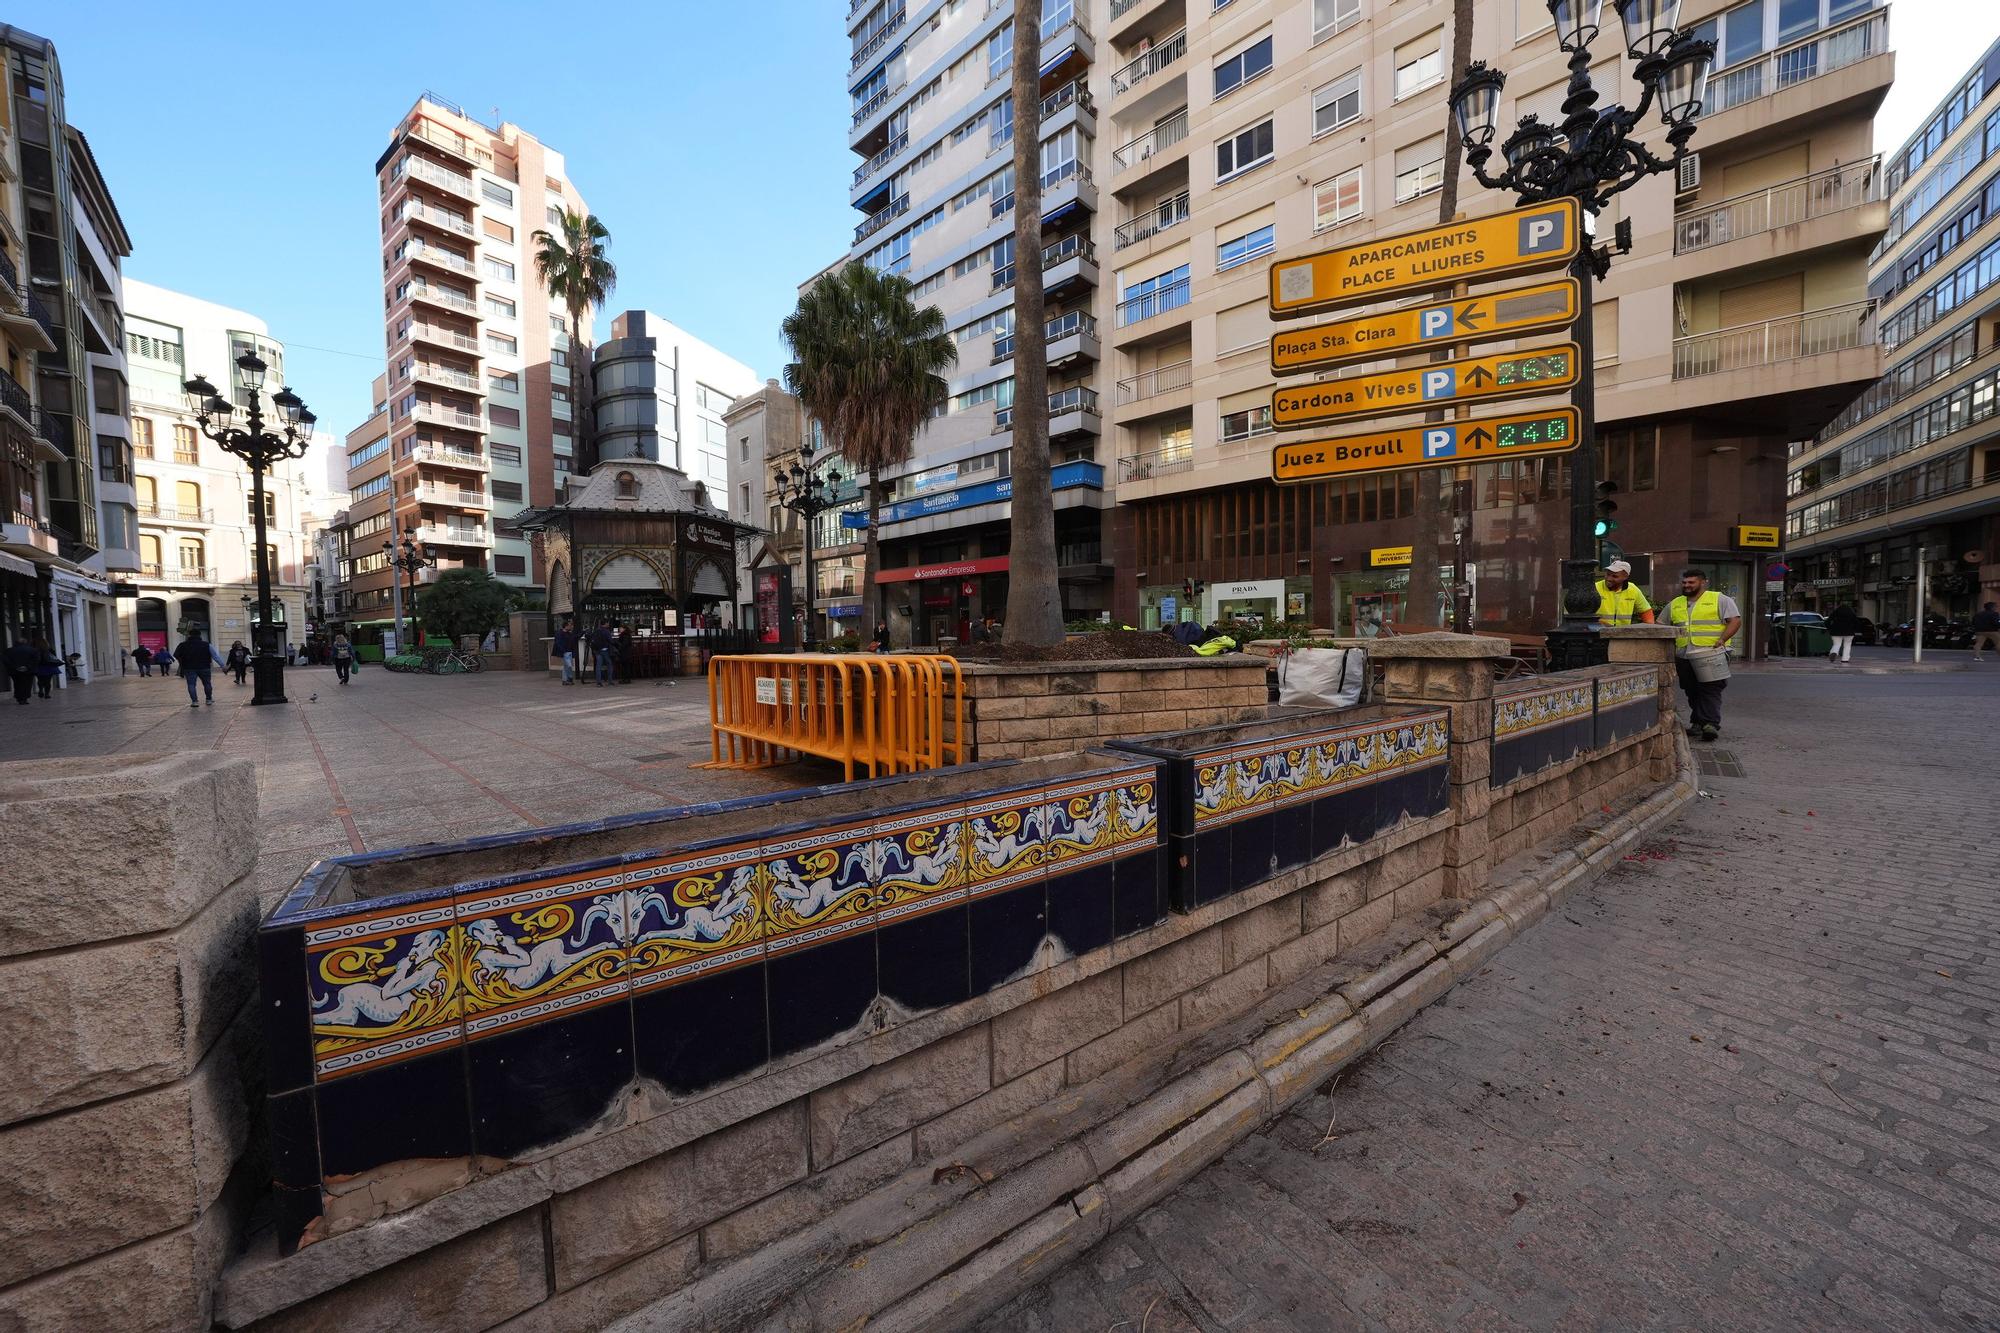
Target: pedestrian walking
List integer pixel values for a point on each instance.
(238, 660)
(621, 649)
(1618, 601)
(600, 652)
(1985, 631)
(123, 659)
(565, 646)
(342, 653)
(21, 667)
(195, 655)
(1843, 625)
(144, 657)
(47, 667)
(1702, 618)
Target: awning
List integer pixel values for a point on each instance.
(14, 564)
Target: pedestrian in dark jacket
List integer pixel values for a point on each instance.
(238, 661)
(47, 667)
(144, 657)
(21, 659)
(621, 647)
(565, 650)
(601, 643)
(195, 655)
(1985, 631)
(1843, 625)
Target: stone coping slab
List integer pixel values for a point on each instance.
(1119, 664)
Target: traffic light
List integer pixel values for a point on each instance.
(1606, 507)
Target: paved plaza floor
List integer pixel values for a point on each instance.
(1749, 1080)
(392, 760)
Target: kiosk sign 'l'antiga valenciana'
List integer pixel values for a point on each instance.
(1524, 240)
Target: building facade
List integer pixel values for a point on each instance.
(1186, 147)
(1909, 473)
(479, 423)
(660, 393)
(197, 523)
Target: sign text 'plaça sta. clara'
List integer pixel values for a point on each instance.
(1525, 240)
(1496, 375)
(1441, 444)
(1536, 308)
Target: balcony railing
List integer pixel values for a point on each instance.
(451, 534)
(179, 573)
(1773, 341)
(447, 457)
(443, 258)
(458, 379)
(430, 492)
(413, 211)
(15, 399)
(1069, 247)
(1152, 383)
(874, 164)
(1156, 219)
(8, 272)
(1156, 302)
(1120, 8)
(1073, 91)
(39, 313)
(889, 28)
(1076, 398)
(1064, 172)
(446, 337)
(1784, 205)
(56, 430)
(1777, 70)
(1157, 462)
(448, 416)
(1135, 72)
(1163, 135)
(431, 174)
(440, 296)
(1062, 326)
(177, 514)
(874, 222)
(874, 104)
(449, 140)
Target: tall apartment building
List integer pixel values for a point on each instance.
(479, 422)
(70, 520)
(1186, 146)
(365, 580)
(1912, 466)
(197, 524)
(660, 393)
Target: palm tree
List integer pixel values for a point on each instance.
(578, 274)
(868, 364)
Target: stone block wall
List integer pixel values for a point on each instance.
(1023, 712)
(129, 1036)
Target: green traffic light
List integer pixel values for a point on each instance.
(1605, 526)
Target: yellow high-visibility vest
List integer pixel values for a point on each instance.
(1701, 627)
(1621, 607)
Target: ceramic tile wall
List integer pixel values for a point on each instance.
(1628, 704)
(1537, 724)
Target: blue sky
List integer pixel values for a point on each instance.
(709, 137)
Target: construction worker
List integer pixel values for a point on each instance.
(1701, 618)
(1618, 601)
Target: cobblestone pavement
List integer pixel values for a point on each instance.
(393, 760)
(1748, 1080)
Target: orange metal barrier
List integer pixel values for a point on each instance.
(886, 713)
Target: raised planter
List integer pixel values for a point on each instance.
(1029, 710)
(1546, 720)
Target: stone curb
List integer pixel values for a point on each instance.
(1107, 1168)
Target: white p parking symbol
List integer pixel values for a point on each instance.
(1541, 233)
(1434, 323)
(1440, 442)
(1439, 383)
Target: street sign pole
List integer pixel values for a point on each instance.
(1574, 643)
(1923, 600)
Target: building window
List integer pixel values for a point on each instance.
(554, 215)
(744, 503)
(1243, 151)
(503, 381)
(558, 357)
(504, 416)
(186, 445)
(500, 307)
(494, 192)
(503, 344)
(1330, 16)
(376, 486)
(191, 553)
(505, 453)
(114, 459)
(1419, 168)
(559, 425)
(499, 270)
(558, 325)
(1154, 295)
(562, 464)
(506, 490)
(1249, 422)
(510, 564)
(1244, 248)
(743, 450)
(1629, 457)
(497, 229)
(1337, 103)
(1242, 67)
(142, 437)
(1419, 64)
(368, 453)
(270, 508)
(1337, 199)
(628, 486)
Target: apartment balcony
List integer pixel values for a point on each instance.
(55, 436)
(14, 401)
(1132, 20)
(1162, 391)
(442, 455)
(875, 222)
(1154, 316)
(1067, 48)
(1065, 190)
(430, 574)
(438, 336)
(1159, 217)
(1137, 164)
(176, 514)
(437, 257)
(870, 118)
(452, 534)
(28, 320)
(1792, 374)
(418, 129)
(1148, 80)
(1844, 71)
(1068, 266)
(416, 213)
(1071, 337)
(880, 160)
(449, 377)
(177, 574)
(442, 298)
(1068, 106)
(26, 535)
(1156, 463)
(1841, 206)
(437, 414)
(10, 281)
(1074, 411)
(437, 177)
(458, 497)
(891, 25)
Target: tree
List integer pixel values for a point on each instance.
(1034, 602)
(573, 266)
(465, 603)
(1426, 541)
(868, 365)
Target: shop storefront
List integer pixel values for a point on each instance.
(940, 602)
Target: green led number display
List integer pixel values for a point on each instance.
(1532, 430)
(1529, 369)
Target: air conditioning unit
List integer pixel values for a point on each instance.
(1687, 177)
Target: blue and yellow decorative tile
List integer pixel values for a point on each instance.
(1008, 848)
(384, 984)
(542, 947)
(695, 924)
(922, 930)
(819, 934)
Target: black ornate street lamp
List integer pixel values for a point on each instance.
(411, 558)
(260, 450)
(1589, 156)
(808, 493)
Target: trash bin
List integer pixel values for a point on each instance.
(1812, 641)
